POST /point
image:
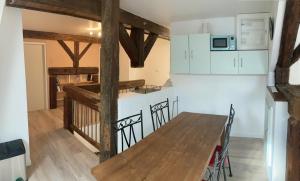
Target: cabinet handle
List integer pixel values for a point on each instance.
(242, 62)
(185, 54)
(192, 54)
(234, 62)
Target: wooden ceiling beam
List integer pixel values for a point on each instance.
(67, 49)
(85, 50)
(137, 36)
(127, 43)
(76, 54)
(296, 55)
(288, 39)
(134, 45)
(58, 36)
(91, 10)
(149, 43)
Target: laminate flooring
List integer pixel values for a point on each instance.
(56, 155)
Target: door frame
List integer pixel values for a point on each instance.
(45, 67)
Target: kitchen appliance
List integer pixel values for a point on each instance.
(222, 43)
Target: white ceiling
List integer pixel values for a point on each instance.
(166, 11)
(160, 11)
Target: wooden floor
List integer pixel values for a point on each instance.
(57, 155)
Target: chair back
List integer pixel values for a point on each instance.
(127, 128)
(160, 114)
(231, 114)
(221, 156)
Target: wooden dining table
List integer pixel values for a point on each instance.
(178, 151)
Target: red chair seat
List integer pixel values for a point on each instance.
(212, 159)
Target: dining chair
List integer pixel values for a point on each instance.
(230, 121)
(160, 114)
(218, 165)
(219, 148)
(127, 128)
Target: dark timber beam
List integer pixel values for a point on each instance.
(137, 36)
(150, 41)
(288, 39)
(109, 79)
(134, 45)
(76, 56)
(67, 49)
(296, 55)
(58, 36)
(88, 9)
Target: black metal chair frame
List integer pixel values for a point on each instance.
(220, 159)
(121, 125)
(157, 114)
(230, 121)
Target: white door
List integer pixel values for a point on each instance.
(180, 62)
(35, 76)
(199, 53)
(224, 62)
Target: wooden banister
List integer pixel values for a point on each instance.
(81, 109)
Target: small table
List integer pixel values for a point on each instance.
(180, 150)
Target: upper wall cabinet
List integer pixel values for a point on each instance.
(253, 31)
(199, 46)
(190, 54)
(180, 62)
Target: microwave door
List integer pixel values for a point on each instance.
(220, 43)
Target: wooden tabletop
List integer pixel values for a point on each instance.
(180, 150)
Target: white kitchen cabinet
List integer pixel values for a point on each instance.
(239, 62)
(190, 54)
(199, 53)
(224, 62)
(253, 31)
(180, 62)
(253, 62)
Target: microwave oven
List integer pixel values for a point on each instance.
(223, 42)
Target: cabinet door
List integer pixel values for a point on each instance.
(253, 62)
(180, 55)
(199, 45)
(224, 62)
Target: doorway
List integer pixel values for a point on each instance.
(36, 82)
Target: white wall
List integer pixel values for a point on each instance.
(130, 104)
(214, 94)
(295, 69)
(216, 26)
(13, 107)
(157, 65)
(278, 14)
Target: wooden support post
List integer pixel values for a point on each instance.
(109, 78)
(68, 113)
(288, 39)
(53, 92)
(137, 35)
(76, 54)
(134, 45)
(293, 137)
